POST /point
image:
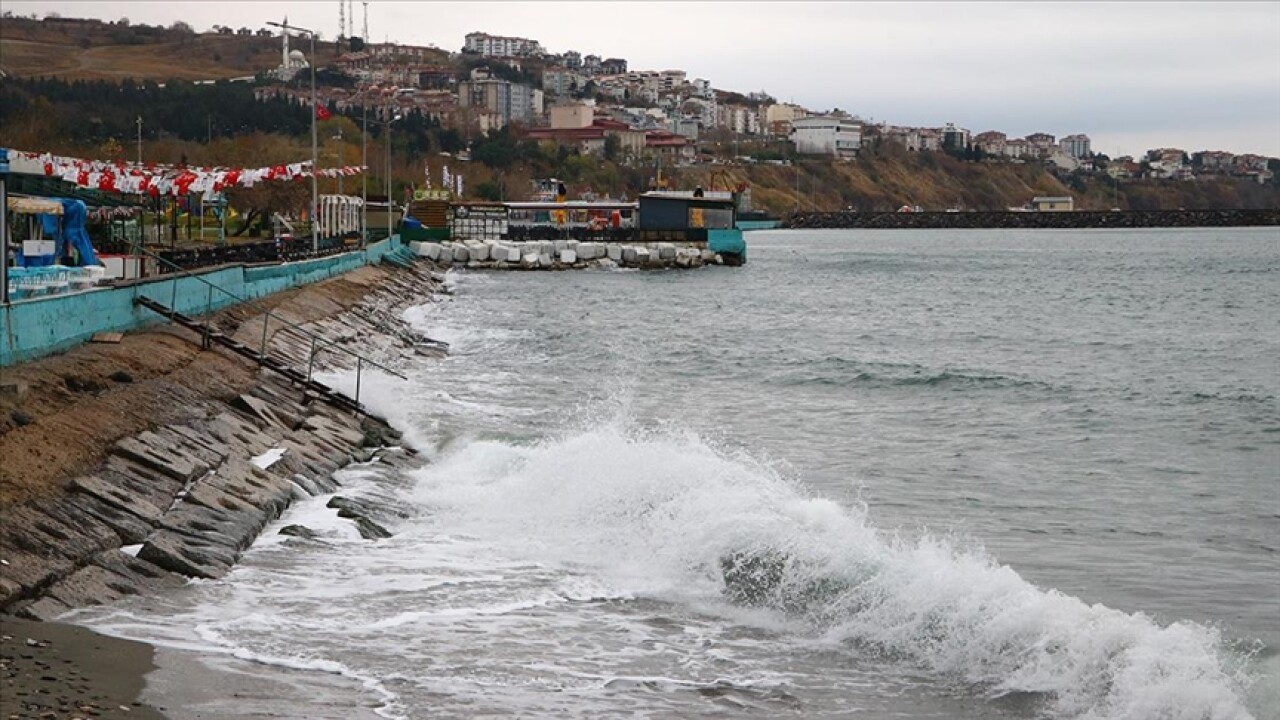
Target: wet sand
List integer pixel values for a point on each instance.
(54, 671)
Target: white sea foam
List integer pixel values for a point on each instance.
(655, 515)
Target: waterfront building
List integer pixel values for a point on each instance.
(1053, 204)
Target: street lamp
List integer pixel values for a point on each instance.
(387, 138)
(315, 193)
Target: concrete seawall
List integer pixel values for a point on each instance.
(37, 327)
(182, 500)
(1033, 220)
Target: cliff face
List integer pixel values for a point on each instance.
(937, 182)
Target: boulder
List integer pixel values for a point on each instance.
(187, 555)
(300, 531)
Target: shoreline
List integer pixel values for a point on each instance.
(994, 220)
(189, 461)
(71, 671)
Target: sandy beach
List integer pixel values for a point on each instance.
(53, 671)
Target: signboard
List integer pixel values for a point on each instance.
(37, 248)
(430, 195)
(484, 212)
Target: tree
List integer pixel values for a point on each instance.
(180, 26)
(612, 148)
(489, 190)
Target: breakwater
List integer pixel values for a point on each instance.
(565, 254)
(1033, 220)
(183, 499)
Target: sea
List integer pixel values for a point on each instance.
(870, 474)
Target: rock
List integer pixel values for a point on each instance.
(254, 407)
(164, 457)
(187, 555)
(370, 530)
(20, 418)
(75, 383)
(121, 376)
(298, 531)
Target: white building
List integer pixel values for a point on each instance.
(1076, 146)
(500, 46)
(825, 135)
(291, 62)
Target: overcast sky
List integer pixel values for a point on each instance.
(1132, 76)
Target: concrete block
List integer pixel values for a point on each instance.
(614, 252)
(568, 256)
(479, 251)
(429, 250)
(162, 457)
(461, 254)
(544, 260)
(630, 254)
(645, 256)
(188, 555)
(666, 251)
(561, 245)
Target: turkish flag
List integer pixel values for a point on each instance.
(322, 112)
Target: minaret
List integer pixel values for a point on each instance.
(366, 20)
(284, 35)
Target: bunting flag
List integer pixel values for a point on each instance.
(446, 180)
(156, 180)
(459, 179)
(322, 112)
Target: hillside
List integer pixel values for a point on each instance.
(89, 50)
(64, 96)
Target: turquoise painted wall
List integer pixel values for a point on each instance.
(42, 326)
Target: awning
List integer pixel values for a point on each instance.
(35, 206)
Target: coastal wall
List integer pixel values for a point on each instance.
(183, 499)
(37, 327)
(1034, 220)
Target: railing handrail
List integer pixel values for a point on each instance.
(267, 317)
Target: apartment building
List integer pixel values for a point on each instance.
(1076, 146)
(501, 46)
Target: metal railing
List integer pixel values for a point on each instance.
(318, 342)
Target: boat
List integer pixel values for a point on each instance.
(757, 220)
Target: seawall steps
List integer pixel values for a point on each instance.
(185, 499)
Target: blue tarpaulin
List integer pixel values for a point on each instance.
(68, 232)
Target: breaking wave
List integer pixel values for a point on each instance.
(665, 514)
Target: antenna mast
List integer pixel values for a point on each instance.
(342, 19)
(366, 19)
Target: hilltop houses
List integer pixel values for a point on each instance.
(598, 104)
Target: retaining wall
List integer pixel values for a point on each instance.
(36, 327)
